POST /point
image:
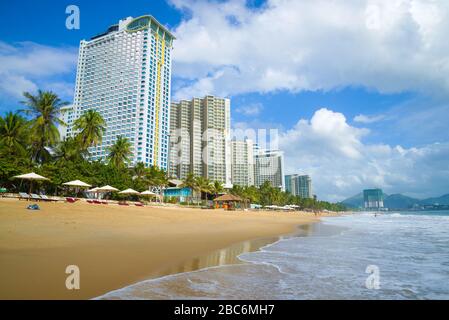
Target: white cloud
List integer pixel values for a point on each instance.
(388, 45)
(27, 66)
(362, 118)
(253, 109)
(341, 164)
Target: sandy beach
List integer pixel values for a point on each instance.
(115, 246)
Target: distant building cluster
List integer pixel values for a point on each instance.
(125, 75)
(299, 185)
(373, 199)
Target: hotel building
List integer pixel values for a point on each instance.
(125, 74)
(242, 163)
(66, 115)
(269, 166)
(373, 198)
(199, 138)
(299, 185)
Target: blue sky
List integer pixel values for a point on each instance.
(358, 90)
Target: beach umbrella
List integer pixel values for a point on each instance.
(77, 183)
(94, 190)
(107, 189)
(149, 194)
(129, 192)
(31, 176)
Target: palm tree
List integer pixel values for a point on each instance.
(216, 188)
(91, 126)
(13, 133)
(119, 152)
(139, 171)
(45, 109)
(203, 186)
(190, 182)
(69, 150)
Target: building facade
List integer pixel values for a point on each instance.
(125, 75)
(67, 116)
(269, 166)
(373, 198)
(199, 138)
(299, 185)
(242, 163)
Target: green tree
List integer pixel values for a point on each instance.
(190, 182)
(91, 126)
(203, 185)
(216, 188)
(45, 109)
(13, 134)
(120, 152)
(69, 149)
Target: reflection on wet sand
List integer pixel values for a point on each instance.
(207, 283)
(229, 255)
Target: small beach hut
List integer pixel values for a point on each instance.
(229, 201)
(31, 177)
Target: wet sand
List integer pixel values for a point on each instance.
(115, 246)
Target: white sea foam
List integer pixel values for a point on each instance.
(410, 249)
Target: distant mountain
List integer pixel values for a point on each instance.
(354, 202)
(439, 200)
(397, 201)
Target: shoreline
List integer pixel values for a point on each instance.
(252, 245)
(116, 247)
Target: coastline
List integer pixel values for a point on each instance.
(116, 246)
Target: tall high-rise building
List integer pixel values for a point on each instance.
(242, 163)
(269, 166)
(125, 74)
(299, 185)
(67, 116)
(373, 198)
(199, 138)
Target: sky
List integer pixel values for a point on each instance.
(358, 89)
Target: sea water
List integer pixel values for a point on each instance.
(403, 255)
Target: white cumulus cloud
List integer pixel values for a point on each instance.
(27, 66)
(228, 48)
(341, 164)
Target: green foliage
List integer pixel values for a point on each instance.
(90, 126)
(120, 152)
(13, 134)
(45, 109)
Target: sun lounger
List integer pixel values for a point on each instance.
(70, 200)
(96, 201)
(139, 204)
(24, 196)
(104, 202)
(45, 198)
(35, 197)
(90, 201)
